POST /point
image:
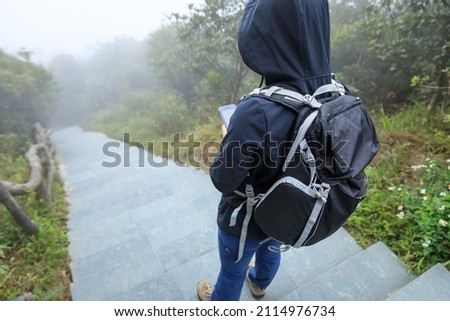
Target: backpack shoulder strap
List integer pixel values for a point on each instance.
(294, 101)
(335, 88)
(286, 97)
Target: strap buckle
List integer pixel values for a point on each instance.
(311, 101)
(321, 191)
(249, 191)
(255, 200)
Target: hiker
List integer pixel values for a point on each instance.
(288, 43)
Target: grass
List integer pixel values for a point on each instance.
(408, 204)
(36, 264)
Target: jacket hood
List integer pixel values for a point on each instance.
(287, 42)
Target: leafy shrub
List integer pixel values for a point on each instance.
(411, 218)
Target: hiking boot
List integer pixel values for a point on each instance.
(256, 291)
(204, 290)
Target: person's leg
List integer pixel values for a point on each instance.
(266, 266)
(232, 275)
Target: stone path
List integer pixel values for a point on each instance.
(149, 233)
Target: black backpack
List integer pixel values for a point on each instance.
(322, 181)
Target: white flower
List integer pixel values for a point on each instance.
(442, 208)
(391, 188)
(443, 223)
(425, 198)
(416, 167)
(443, 194)
(423, 191)
(448, 160)
(401, 215)
(400, 208)
(426, 244)
(399, 189)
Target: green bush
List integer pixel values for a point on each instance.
(408, 202)
(411, 218)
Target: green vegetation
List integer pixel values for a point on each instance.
(27, 92)
(33, 264)
(409, 199)
(29, 264)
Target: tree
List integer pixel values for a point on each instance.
(25, 54)
(391, 43)
(209, 34)
(427, 23)
(27, 94)
(411, 38)
(169, 60)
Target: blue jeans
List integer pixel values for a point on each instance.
(232, 275)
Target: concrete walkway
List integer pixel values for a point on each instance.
(145, 233)
(149, 233)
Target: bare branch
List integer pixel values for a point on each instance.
(16, 211)
(40, 158)
(34, 161)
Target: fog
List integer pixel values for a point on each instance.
(78, 27)
(116, 65)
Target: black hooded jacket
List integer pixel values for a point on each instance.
(287, 42)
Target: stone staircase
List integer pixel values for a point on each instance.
(372, 274)
(146, 233)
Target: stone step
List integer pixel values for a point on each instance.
(299, 266)
(372, 274)
(433, 285)
(148, 232)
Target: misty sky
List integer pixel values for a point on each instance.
(49, 27)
